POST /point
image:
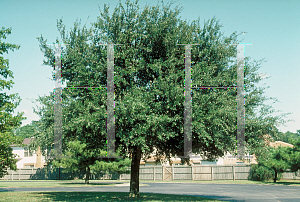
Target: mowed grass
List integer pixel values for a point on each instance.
(108, 196)
(94, 183)
(56, 183)
(93, 196)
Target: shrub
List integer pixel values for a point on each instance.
(260, 173)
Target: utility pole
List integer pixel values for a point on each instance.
(110, 103)
(240, 145)
(240, 142)
(188, 102)
(58, 107)
(58, 104)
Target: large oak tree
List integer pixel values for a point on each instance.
(149, 85)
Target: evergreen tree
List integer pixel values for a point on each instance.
(149, 86)
(80, 145)
(78, 157)
(288, 137)
(294, 155)
(26, 131)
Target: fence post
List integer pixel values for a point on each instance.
(193, 172)
(153, 173)
(233, 173)
(212, 173)
(173, 173)
(19, 174)
(163, 173)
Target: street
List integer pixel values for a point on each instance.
(226, 192)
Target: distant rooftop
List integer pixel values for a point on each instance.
(25, 141)
(280, 143)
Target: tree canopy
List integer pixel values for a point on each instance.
(8, 122)
(26, 131)
(288, 136)
(294, 155)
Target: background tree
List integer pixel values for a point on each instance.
(278, 161)
(80, 144)
(8, 122)
(78, 158)
(271, 164)
(43, 136)
(149, 84)
(26, 131)
(288, 136)
(294, 155)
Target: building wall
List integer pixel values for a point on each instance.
(226, 160)
(229, 160)
(36, 160)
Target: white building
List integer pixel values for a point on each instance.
(27, 159)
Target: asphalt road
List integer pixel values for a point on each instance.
(226, 192)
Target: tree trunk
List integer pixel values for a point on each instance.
(135, 172)
(275, 178)
(87, 177)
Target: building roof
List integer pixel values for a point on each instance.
(26, 141)
(269, 140)
(280, 143)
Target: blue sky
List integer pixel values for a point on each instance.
(272, 25)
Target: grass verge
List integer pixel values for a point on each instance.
(56, 183)
(93, 183)
(93, 196)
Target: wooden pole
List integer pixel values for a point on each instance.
(110, 102)
(58, 104)
(187, 102)
(240, 139)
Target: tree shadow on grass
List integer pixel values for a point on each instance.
(114, 196)
(92, 183)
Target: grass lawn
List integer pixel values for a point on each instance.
(110, 196)
(80, 183)
(92, 196)
(57, 183)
